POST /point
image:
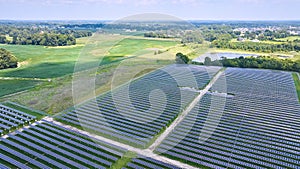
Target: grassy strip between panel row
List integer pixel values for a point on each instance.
(297, 84)
(122, 162)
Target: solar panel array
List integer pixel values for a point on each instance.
(136, 112)
(47, 145)
(142, 162)
(11, 119)
(256, 128)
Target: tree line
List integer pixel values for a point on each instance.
(40, 36)
(260, 62)
(7, 60)
(258, 47)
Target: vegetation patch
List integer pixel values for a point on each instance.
(124, 160)
(7, 60)
(297, 84)
(260, 62)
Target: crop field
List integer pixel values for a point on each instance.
(253, 127)
(126, 113)
(12, 119)
(47, 145)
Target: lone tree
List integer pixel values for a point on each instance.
(207, 61)
(7, 60)
(181, 58)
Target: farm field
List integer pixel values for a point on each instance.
(56, 67)
(252, 127)
(109, 114)
(52, 62)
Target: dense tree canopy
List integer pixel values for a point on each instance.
(256, 62)
(7, 60)
(45, 40)
(181, 59)
(257, 47)
(40, 36)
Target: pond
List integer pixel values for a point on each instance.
(218, 56)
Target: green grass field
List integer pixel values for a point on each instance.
(57, 64)
(297, 84)
(130, 46)
(51, 62)
(14, 86)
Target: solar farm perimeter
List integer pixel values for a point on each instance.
(233, 118)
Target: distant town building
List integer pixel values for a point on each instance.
(240, 39)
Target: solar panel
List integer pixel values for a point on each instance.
(91, 143)
(2, 166)
(24, 157)
(107, 156)
(50, 152)
(103, 116)
(74, 156)
(36, 154)
(257, 127)
(13, 161)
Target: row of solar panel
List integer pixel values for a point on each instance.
(134, 113)
(12, 118)
(47, 145)
(259, 83)
(252, 129)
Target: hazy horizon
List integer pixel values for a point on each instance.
(209, 10)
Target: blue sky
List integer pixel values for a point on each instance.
(117, 9)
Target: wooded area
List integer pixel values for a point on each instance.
(261, 62)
